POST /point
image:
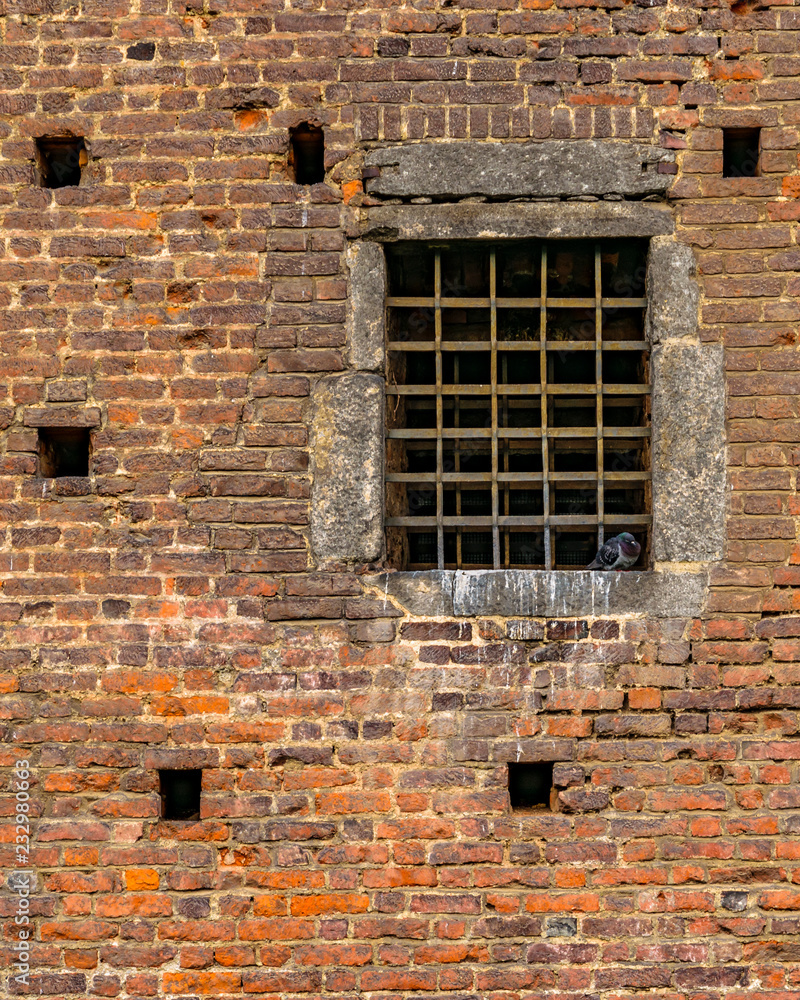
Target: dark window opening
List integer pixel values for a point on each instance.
(142, 51)
(63, 451)
(59, 162)
(740, 152)
(308, 154)
(530, 784)
(180, 794)
(518, 403)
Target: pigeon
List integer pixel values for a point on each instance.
(620, 552)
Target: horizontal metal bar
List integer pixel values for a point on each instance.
(463, 390)
(464, 477)
(429, 433)
(534, 389)
(463, 521)
(591, 432)
(585, 302)
(590, 389)
(556, 520)
(534, 478)
(626, 345)
(518, 433)
(481, 302)
(591, 345)
(591, 477)
(518, 345)
(625, 432)
(446, 477)
(429, 302)
(623, 303)
(430, 390)
(447, 345)
(506, 303)
(582, 520)
(588, 302)
(570, 345)
(476, 433)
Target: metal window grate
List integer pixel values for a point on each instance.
(518, 402)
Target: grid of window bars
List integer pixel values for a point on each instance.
(518, 403)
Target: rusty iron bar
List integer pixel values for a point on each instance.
(598, 378)
(495, 422)
(516, 477)
(519, 520)
(548, 547)
(523, 346)
(437, 282)
(532, 389)
(480, 302)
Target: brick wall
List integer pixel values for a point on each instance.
(355, 836)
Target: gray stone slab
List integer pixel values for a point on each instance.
(688, 463)
(517, 169)
(543, 594)
(367, 306)
(346, 450)
(520, 220)
(531, 750)
(672, 289)
(561, 927)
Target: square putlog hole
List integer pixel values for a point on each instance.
(59, 162)
(530, 784)
(308, 154)
(741, 148)
(180, 794)
(63, 451)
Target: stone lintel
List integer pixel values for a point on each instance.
(520, 220)
(63, 416)
(544, 594)
(505, 169)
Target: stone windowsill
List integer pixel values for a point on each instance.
(544, 594)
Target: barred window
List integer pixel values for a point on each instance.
(518, 398)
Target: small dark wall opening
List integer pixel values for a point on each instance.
(142, 51)
(59, 162)
(530, 784)
(740, 152)
(308, 153)
(63, 451)
(180, 794)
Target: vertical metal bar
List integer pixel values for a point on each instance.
(495, 461)
(548, 548)
(457, 455)
(437, 282)
(506, 444)
(598, 374)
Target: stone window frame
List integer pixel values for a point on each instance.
(688, 441)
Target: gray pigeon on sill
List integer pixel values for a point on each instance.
(620, 552)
